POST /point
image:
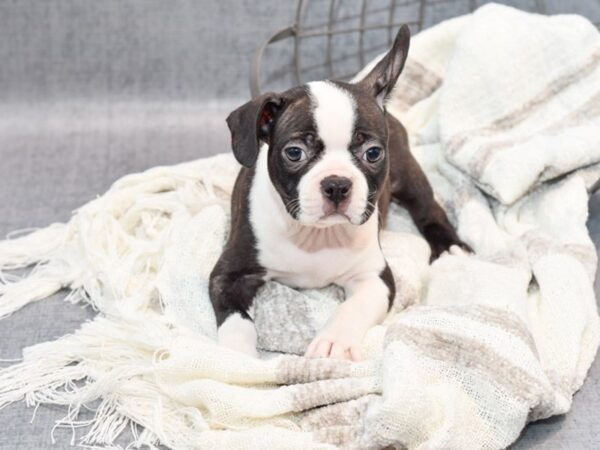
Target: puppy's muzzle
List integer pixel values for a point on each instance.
(336, 191)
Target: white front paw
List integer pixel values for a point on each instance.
(239, 344)
(239, 334)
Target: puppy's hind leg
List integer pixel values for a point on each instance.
(232, 295)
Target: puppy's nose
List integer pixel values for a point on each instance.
(336, 188)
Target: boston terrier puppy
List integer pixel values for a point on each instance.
(321, 163)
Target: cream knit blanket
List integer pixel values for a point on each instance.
(503, 109)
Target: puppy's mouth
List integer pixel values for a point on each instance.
(334, 218)
(332, 213)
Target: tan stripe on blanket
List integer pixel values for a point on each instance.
(487, 316)
(518, 115)
(294, 370)
(310, 395)
(587, 111)
(466, 352)
(416, 83)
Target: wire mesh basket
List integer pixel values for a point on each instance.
(334, 39)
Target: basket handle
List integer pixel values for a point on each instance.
(284, 33)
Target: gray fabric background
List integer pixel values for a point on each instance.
(92, 90)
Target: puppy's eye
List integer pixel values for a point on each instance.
(295, 154)
(373, 154)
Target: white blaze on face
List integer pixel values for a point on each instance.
(334, 110)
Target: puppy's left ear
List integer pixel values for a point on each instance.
(381, 80)
(252, 123)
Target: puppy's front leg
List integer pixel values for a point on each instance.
(411, 189)
(368, 299)
(232, 294)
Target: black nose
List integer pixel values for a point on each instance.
(336, 188)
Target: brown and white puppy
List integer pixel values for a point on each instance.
(321, 163)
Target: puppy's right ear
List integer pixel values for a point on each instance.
(382, 78)
(252, 123)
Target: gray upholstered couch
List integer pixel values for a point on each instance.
(92, 90)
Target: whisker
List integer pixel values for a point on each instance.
(292, 204)
(371, 204)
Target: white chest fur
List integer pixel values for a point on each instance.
(306, 256)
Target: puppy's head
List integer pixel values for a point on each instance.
(327, 142)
